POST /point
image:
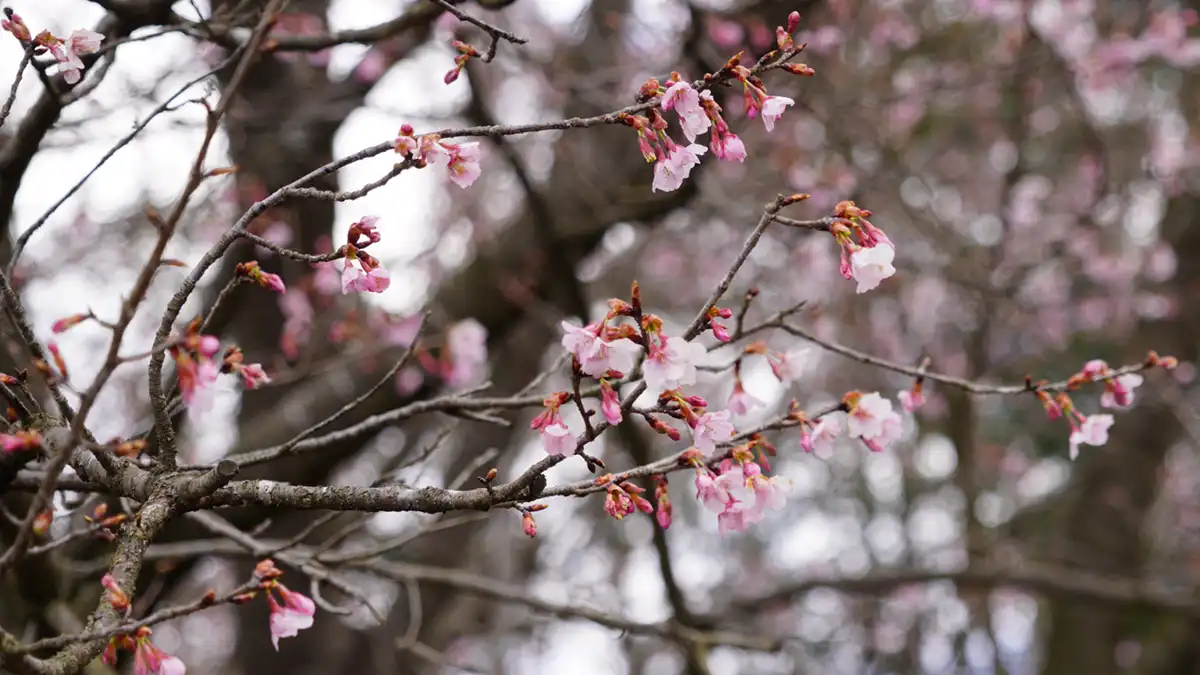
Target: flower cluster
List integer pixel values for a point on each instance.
(867, 253)
(197, 369)
(66, 52)
(194, 365)
(465, 53)
(461, 160)
(698, 112)
(367, 274)
(738, 491)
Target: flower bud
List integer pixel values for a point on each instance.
(793, 22)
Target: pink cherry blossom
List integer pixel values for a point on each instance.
(462, 161)
(670, 173)
(870, 266)
(377, 280)
(672, 364)
(291, 617)
(712, 428)
(466, 342)
(148, 659)
(685, 101)
(1118, 392)
(253, 375)
(557, 439)
(711, 493)
(597, 356)
(772, 110)
(610, 405)
(741, 401)
(873, 420)
(790, 366)
(911, 400)
(821, 437)
(728, 147)
(1092, 431)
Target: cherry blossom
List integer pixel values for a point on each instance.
(669, 173)
(820, 437)
(872, 419)
(291, 617)
(610, 405)
(1093, 430)
(595, 355)
(466, 343)
(68, 52)
(671, 363)
(911, 400)
(870, 266)
(557, 438)
(741, 401)
(710, 429)
(772, 110)
(713, 495)
(789, 366)
(1118, 391)
(148, 659)
(685, 101)
(375, 280)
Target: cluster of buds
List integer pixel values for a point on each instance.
(23, 440)
(292, 615)
(623, 498)
(867, 253)
(368, 274)
(461, 160)
(194, 365)
(67, 52)
(101, 523)
(465, 53)
(252, 374)
(253, 272)
(148, 658)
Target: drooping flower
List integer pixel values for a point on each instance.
(870, 266)
(685, 101)
(1092, 430)
(1118, 391)
(610, 405)
(291, 617)
(772, 110)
